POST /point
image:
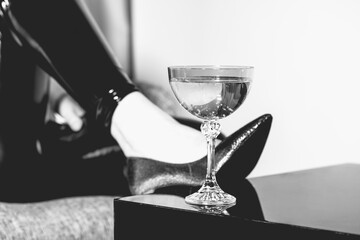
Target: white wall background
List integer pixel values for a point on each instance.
(306, 55)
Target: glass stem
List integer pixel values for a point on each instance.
(210, 175)
(210, 129)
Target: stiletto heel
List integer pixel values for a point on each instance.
(236, 157)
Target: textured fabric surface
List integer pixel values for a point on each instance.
(66, 219)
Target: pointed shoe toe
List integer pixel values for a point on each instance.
(242, 151)
(235, 157)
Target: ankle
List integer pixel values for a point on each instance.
(144, 130)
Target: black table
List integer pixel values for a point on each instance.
(321, 203)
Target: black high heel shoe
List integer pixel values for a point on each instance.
(236, 157)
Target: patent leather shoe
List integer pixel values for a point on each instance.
(236, 156)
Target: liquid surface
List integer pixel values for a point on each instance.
(211, 97)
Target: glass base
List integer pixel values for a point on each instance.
(213, 209)
(210, 196)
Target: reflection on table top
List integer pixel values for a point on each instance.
(325, 198)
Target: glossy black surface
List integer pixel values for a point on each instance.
(323, 198)
(321, 203)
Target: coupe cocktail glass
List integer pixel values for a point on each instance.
(210, 93)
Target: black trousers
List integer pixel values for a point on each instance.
(58, 38)
(29, 173)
